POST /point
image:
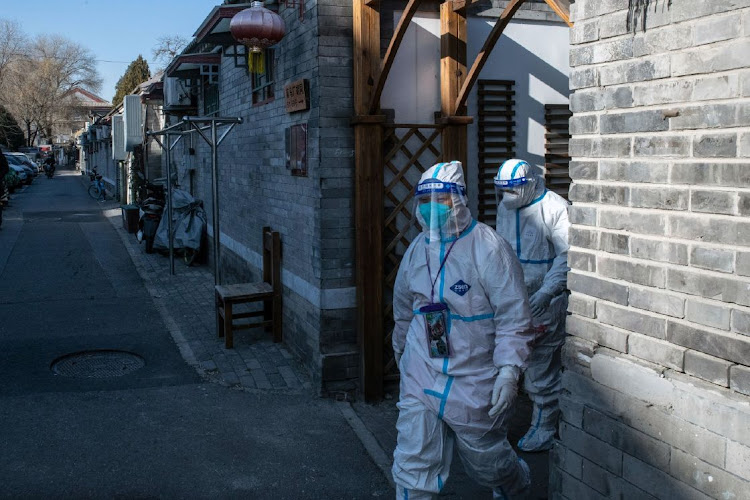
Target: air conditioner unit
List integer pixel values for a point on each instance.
(132, 116)
(118, 138)
(178, 92)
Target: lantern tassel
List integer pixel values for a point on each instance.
(256, 62)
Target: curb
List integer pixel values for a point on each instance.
(373, 448)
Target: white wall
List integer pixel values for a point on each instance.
(533, 54)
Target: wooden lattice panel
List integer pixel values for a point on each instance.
(557, 155)
(495, 100)
(409, 151)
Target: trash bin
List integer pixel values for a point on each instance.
(130, 218)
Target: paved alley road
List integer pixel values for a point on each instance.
(67, 285)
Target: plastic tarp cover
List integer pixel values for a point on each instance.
(188, 222)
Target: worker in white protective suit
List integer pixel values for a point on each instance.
(461, 337)
(534, 221)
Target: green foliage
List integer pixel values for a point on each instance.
(136, 74)
(11, 135)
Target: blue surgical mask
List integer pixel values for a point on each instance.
(441, 211)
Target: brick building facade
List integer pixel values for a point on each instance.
(312, 212)
(658, 362)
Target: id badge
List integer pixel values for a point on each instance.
(435, 317)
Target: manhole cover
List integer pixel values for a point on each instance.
(97, 364)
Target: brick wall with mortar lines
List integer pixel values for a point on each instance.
(313, 214)
(658, 363)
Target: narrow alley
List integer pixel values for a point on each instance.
(74, 311)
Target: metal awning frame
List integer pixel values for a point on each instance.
(197, 124)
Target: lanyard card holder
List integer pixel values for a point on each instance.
(435, 317)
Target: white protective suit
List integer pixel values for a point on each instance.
(535, 223)
(447, 400)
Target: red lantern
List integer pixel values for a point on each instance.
(257, 28)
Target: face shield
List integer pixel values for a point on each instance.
(513, 183)
(436, 206)
(509, 192)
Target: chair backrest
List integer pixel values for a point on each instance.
(272, 258)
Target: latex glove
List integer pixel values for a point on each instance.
(505, 389)
(539, 302)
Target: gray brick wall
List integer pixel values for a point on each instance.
(657, 363)
(313, 214)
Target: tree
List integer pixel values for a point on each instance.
(13, 44)
(37, 81)
(11, 135)
(136, 74)
(167, 48)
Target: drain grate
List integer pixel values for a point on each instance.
(97, 364)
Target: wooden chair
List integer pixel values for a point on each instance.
(268, 291)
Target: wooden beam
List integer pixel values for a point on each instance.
(453, 43)
(562, 9)
(484, 54)
(390, 55)
(366, 39)
(368, 199)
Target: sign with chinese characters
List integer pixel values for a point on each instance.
(297, 96)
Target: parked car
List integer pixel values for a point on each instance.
(14, 161)
(22, 174)
(26, 161)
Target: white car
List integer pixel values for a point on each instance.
(26, 161)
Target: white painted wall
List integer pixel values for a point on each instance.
(534, 54)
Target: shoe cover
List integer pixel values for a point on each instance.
(541, 435)
(404, 494)
(499, 494)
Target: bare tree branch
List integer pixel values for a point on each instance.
(167, 48)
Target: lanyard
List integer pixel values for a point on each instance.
(429, 271)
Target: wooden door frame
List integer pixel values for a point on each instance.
(370, 75)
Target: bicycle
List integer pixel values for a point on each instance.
(97, 190)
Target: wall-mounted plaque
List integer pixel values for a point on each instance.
(297, 96)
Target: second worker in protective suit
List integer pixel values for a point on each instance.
(461, 336)
(534, 221)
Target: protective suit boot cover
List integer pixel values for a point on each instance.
(499, 494)
(541, 435)
(405, 494)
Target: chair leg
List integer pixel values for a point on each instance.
(219, 321)
(229, 341)
(277, 319)
(268, 314)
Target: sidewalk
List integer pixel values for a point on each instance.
(186, 303)
(380, 421)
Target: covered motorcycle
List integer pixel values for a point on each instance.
(188, 225)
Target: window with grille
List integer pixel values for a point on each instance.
(263, 81)
(210, 89)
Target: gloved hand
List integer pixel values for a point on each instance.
(539, 302)
(505, 389)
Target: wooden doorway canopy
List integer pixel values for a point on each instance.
(369, 79)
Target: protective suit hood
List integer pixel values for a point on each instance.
(516, 185)
(442, 185)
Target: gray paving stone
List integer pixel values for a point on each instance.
(187, 298)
